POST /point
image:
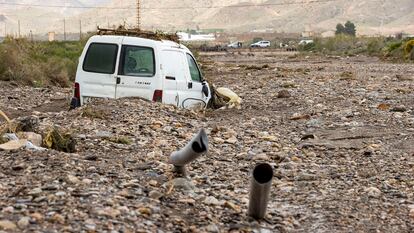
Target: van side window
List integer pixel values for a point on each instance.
(194, 71)
(101, 58)
(137, 61)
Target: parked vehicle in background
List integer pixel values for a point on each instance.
(235, 45)
(261, 44)
(121, 66)
(305, 42)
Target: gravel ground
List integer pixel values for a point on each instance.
(338, 131)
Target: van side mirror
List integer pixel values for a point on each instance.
(205, 89)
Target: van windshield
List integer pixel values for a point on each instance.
(101, 58)
(137, 61)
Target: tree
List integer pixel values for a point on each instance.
(350, 28)
(340, 29)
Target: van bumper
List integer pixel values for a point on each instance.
(75, 103)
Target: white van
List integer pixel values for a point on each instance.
(261, 44)
(122, 66)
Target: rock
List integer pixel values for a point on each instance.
(9, 209)
(212, 228)
(145, 211)
(232, 140)
(60, 194)
(91, 157)
(283, 94)
(306, 177)
(90, 225)
(232, 206)
(23, 222)
(399, 109)
(87, 181)
(35, 191)
(37, 217)
(13, 145)
(7, 225)
(109, 212)
(72, 179)
(103, 134)
(57, 218)
(155, 194)
(183, 183)
(153, 183)
(261, 156)
(210, 200)
(411, 214)
(373, 192)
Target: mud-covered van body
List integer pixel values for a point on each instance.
(122, 66)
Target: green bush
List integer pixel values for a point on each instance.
(39, 63)
(348, 45)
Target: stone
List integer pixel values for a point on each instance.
(283, 94)
(35, 191)
(13, 145)
(373, 192)
(154, 194)
(57, 218)
(9, 209)
(37, 217)
(7, 225)
(23, 222)
(411, 214)
(103, 134)
(212, 228)
(109, 212)
(210, 200)
(183, 183)
(72, 179)
(399, 109)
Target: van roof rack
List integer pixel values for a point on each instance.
(122, 31)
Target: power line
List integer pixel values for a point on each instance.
(171, 8)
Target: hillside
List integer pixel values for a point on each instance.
(370, 16)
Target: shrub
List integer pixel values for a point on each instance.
(39, 63)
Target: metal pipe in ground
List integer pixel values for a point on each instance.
(195, 148)
(260, 185)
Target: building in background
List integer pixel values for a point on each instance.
(188, 37)
(51, 36)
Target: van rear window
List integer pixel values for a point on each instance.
(101, 58)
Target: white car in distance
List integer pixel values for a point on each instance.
(261, 44)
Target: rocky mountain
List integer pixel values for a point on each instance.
(370, 16)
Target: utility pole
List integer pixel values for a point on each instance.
(138, 15)
(64, 29)
(18, 22)
(80, 29)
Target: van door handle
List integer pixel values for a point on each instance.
(169, 77)
(190, 85)
(118, 80)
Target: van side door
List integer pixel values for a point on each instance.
(137, 71)
(96, 73)
(193, 95)
(174, 75)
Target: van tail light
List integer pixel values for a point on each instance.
(157, 96)
(77, 91)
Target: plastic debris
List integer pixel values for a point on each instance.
(233, 100)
